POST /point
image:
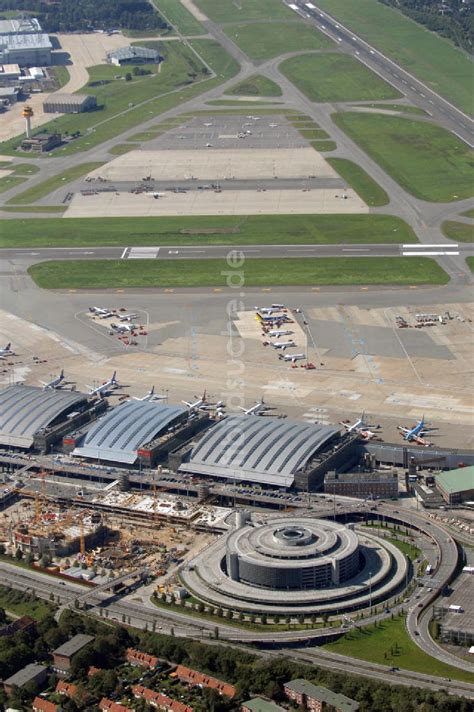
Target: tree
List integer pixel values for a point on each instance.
(128, 77)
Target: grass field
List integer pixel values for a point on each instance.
(255, 85)
(322, 146)
(246, 106)
(426, 160)
(255, 229)
(468, 213)
(335, 77)
(461, 232)
(365, 186)
(35, 209)
(20, 173)
(60, 73)
(120, 148)
(17, 602)
(267, 40)
(178, 16)
(230, 11)
(399, 108)
(180, 79)
(390, 644)
(428, 56)
(48, 186)
(470, 263)
(410, 551)
(105, 274)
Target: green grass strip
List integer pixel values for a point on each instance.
(470, 263)
(48, 186)
(399, 108)
(322, 146)
(106, 274)
(469, 213)
(35, 209)
(365, 186)
(390, 644)
(256, 85)
(458, 231)
(428, 161)
(178, 16)
(207, 230)
(120, 148)
(335, 77)
(266, 40)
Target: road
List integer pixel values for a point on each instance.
(30, 256)
(441, 110)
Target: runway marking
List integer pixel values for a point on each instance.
(72, 291)
(315, 289)
(412, 286)
(124, 253)
(355, 249)
(142, 253)
(418, 246)
(266, 289)
(217, 289)
(431, 253)
(168, 291)
(120, 291)
(362, 289)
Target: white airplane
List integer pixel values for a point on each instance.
(150, 396)
(208, 145)
(280, 332)
(6, 351)
(123, 328)
(208, 123)
(268, 310)
(102, 313)
(273, 126)
(55, 383)
(283, 345)
(203, 404)
(292, 357)
(106, 387)
(361, 427)
(258, 409)
(128, 317)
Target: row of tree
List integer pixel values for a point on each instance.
(86, 15)
(452, 19)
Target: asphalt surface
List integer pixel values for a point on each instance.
(30, 256)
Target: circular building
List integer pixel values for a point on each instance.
(292, 555)
(277, 564)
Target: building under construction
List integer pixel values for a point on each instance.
(57, 534)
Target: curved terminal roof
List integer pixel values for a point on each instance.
(24, 410)
(266, 450)
(123, 430)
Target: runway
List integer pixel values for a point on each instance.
(205, 252)
(441, 110)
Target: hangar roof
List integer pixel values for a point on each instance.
(26, 409)
(123, 430)
(259, 449)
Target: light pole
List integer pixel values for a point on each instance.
(370, 592)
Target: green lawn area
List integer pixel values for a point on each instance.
(390, 644)
(145, 136)
(266, 40)
(20, 173)
(120, 148)
(428, 56)
(365, 186)
(181, 78)
(335, 77)
(231, 11)
(178, 16)
(316, 134)
(470, 263)
(256, 85)
(324, 145)
(61, 73)
(206, 230)
(428, 161)
(410, 551)
(461, 232)
(17, 603)
(105, 274)
(246, 106)
(43, 189)
(468, 213)
(400, 108)
(35, 209)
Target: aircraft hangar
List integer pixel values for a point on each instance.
(129, 430)
(30, 415)
(268, 451)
